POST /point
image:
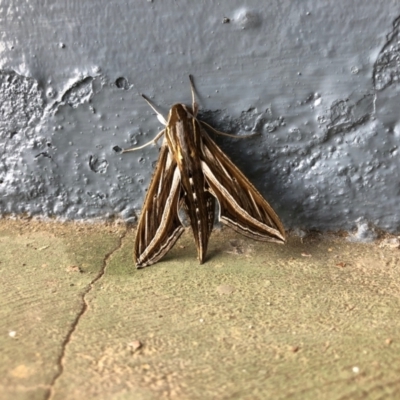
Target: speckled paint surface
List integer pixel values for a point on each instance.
(318, 81)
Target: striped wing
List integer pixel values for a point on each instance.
(241, 206)
(159, 225)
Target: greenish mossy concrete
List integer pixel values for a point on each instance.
(317, 318)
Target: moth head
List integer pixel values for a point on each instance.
(179, 112)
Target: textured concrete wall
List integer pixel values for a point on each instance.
(318, 80)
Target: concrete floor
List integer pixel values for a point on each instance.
(318, 318)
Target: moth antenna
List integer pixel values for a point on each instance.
(159, 115)
(146, 144)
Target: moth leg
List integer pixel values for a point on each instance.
(195, 106)
(146, 144)
(228, 134)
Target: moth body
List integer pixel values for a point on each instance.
(183, 137)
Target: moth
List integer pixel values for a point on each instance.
(192, 174)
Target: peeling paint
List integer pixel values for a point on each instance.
(386, 70)
(98, 166)
(22, 103)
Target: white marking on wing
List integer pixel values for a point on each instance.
(166, 214)
(255, 204)
(227, 196)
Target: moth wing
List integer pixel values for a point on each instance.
(159, 225)
(241, 206)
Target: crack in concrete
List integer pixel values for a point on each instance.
(81, 313)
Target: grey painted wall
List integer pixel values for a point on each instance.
(318, 79)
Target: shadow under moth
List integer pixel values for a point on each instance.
(192, 173)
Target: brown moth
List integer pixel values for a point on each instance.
(192, 173)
